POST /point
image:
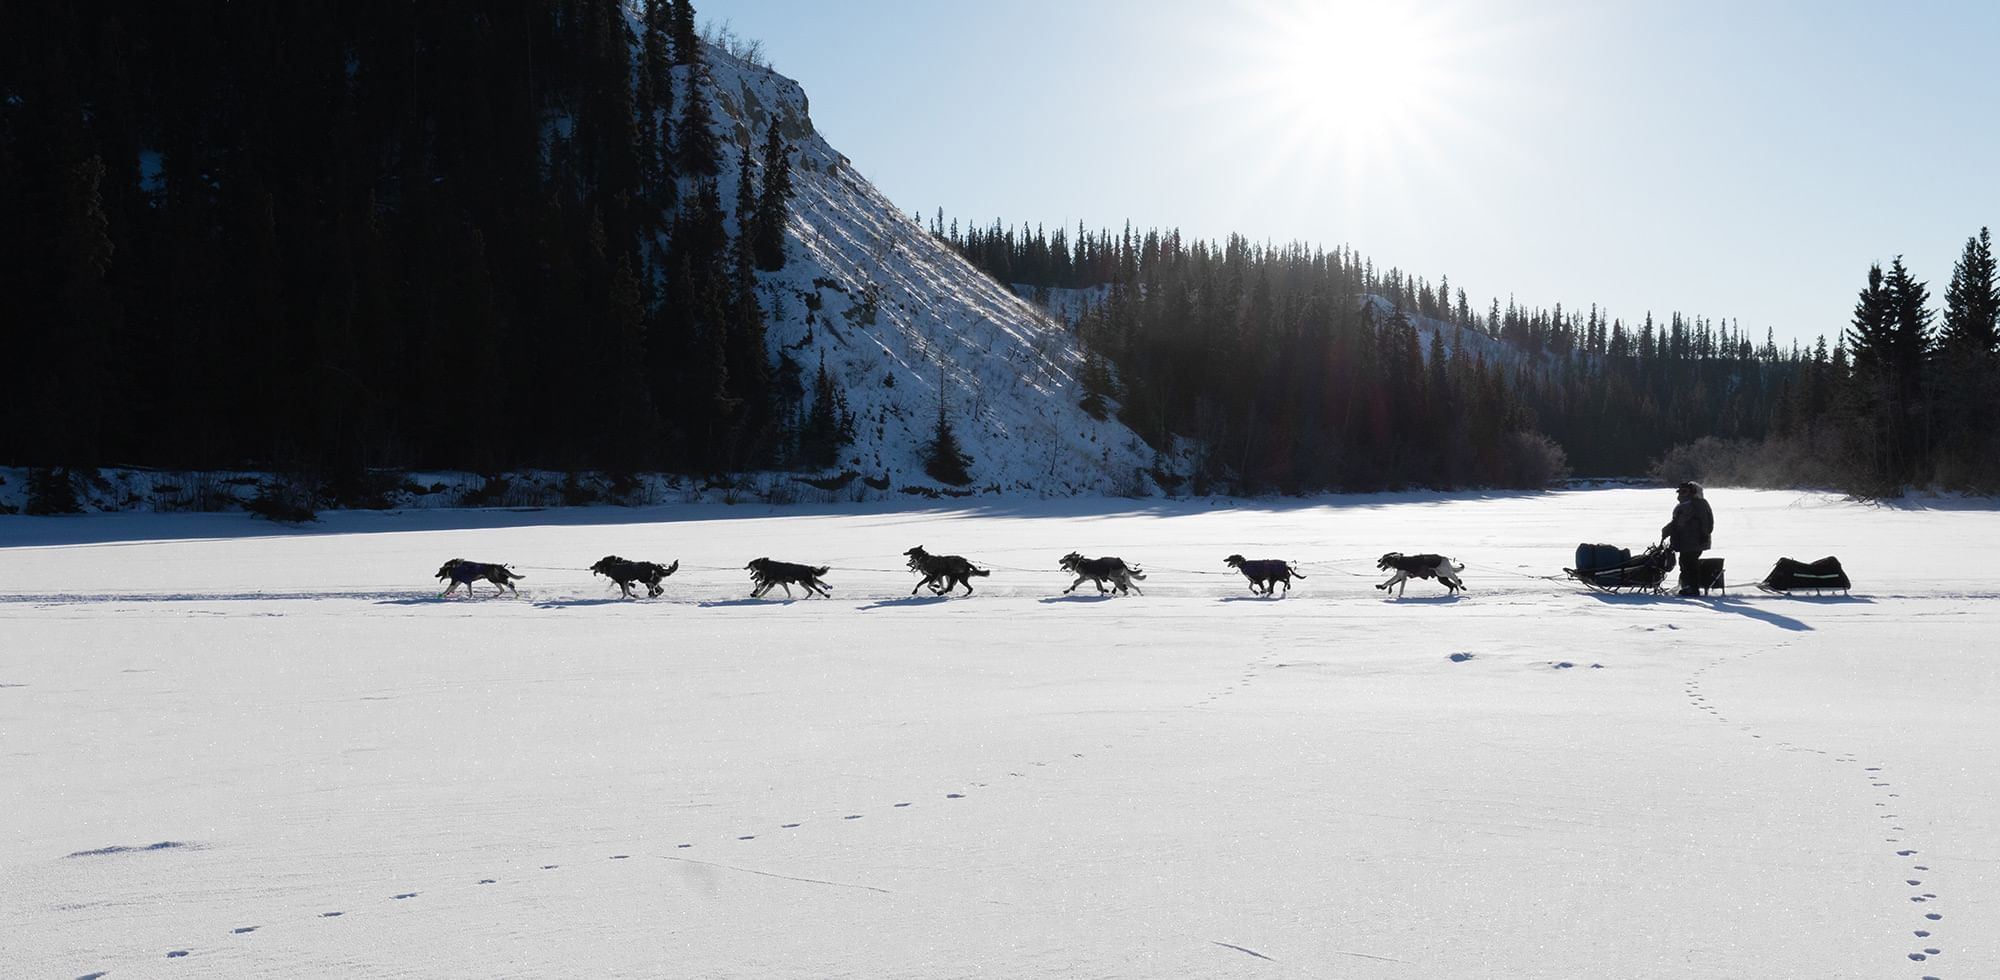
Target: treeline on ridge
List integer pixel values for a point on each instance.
(1300, 368)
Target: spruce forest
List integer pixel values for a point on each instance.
(332, 237)
(1297, 368)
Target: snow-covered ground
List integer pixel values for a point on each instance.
(232, 749)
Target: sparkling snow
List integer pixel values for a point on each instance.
(233, 749)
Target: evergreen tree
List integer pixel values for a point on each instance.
(1968, 368)
(774, 203)
(944, 461)
(687, 43)
(697, 152)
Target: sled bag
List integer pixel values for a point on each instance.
(1825, 573)
(1590, 557)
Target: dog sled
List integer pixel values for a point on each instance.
(1820, 577)
(1606, 568)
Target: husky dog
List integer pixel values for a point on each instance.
(1266, 573)
(625, 573)
(462, 572)
(1100, 571)
(1407, 567)
(942, 573)
(765, 573)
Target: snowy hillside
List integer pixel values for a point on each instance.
(893, 312)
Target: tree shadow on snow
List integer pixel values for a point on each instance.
(1250, 598)
(1077, 598)
(724, 603)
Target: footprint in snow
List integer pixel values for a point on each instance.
(406, 895)
(331, 915)
(486, 881)
(240, 930)
(177, 954)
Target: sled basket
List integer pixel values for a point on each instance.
(1610, 569)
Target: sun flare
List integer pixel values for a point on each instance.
(1360, 83)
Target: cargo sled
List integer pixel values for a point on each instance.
(1820, 577)
(1606, 568)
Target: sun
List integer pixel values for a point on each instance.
(1362, 84)
(1359, 67)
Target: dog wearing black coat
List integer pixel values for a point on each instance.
(1265, 574)
(766, 573)
(462, 572)
(942, 573)
(1407, 567)
(1100, 571)
(625, 572)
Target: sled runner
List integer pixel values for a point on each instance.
(1822, 576)
(1610, 569)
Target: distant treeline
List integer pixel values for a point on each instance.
(330, 236)
(1299, 368)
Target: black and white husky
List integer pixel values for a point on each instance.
(1407, 567)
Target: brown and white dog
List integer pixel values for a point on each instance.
(1265, 573)
(766, 573)
(462, 572)
(1101, 570)
(1407, 567)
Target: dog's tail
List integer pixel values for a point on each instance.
(979, 571)
(512, 573)
(1295, 570)
(822, 570)
(1134, 570)
(675, 567)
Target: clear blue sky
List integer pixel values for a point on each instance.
(1742, 160)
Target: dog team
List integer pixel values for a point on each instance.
(945, 573)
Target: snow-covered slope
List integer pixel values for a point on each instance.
(896, 314)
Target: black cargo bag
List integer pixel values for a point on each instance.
(1795, 576)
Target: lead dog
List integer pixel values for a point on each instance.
(1407, 567)
(1265, 572)
(462, 572)
(950, 570)
(625, 572)
(1101, 570)
(766, 573)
